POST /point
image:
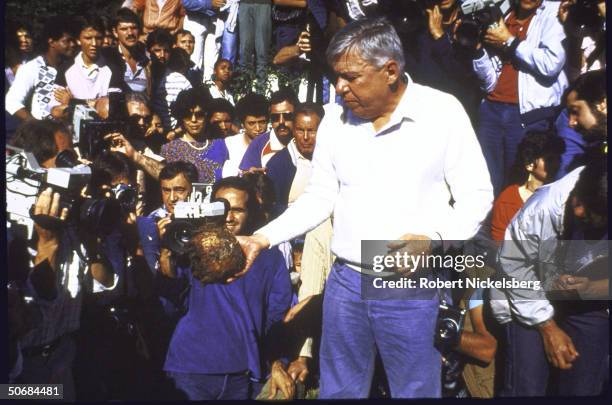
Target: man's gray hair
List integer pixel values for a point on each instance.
(374, 40)
(136, 97)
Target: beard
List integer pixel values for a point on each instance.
(599, 131)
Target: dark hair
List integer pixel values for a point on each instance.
(218, 62)
(91, 21)
(11, 28)
(38, 137)
(591, 87)
(173, 169)
(221, 105)
(159, 36)
(591, 190)
(284, 94)
(238, 183)
(254, 105)
(538, 144)
(56, 27)
(266, 196)
(310, 108)
(182, 32)
(125, 15)
(108, 166)
(178, 61)
(188, 100)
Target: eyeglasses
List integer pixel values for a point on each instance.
(198, 115)
(137, 117)
(287, 116)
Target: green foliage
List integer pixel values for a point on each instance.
(244, 81)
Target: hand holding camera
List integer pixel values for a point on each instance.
(498, 35)
(303, 42)
(48, 204)
(118, 143)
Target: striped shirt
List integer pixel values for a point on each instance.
(35, 79)
(166, 93)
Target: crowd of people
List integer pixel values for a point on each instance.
(425, 123)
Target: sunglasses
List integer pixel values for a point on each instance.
(287, 116)
(137, 117)
(198, 115)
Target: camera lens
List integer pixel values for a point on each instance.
(67, 159)
(99, 215)
(178, 234)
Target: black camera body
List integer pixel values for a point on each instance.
(476, 17)
(449, 327)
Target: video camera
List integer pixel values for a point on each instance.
(90, 128)
(188, 218)
(25, 180)
(476, 17)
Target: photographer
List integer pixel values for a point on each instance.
(59, 266)
(584, 24)
(217, 348)
(521, 69)
(441, 62)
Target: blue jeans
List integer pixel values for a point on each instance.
(528, 373)
(354, 329)
(199, 387)
(255, 33)
(500, 132)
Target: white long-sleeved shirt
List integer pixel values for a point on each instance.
(36, 79)
(529, 247)
(541, 57)
(383, 184)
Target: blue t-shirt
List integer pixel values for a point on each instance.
(252, 156)
(225, 328)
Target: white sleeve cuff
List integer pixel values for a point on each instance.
(98, 287)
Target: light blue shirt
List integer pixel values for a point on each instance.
(541, 57)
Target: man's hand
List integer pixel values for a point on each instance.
(559, 348)
(48, 203)
(499, 35)
(412, 245)
(435, 22)
(298, 369)
(292, 313)
(120, 144)
(583, 286)
(303, 42)
(162, 224)
(62, 95)
(218, 4)
(563, 12)
(279, 379)
(251, 246)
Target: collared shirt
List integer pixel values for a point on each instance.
(302, 173)
(529, 248)
(541, 78)
(37, 79)
(383, 184)
(216, 93)
(88, 82)
(261, 150)
(270, 148)
(137, 79)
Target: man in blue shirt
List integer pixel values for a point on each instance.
(261, 150)
(217, 348)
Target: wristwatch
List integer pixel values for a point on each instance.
(511, 44)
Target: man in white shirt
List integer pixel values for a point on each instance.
(388, 143)
(37, 78)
